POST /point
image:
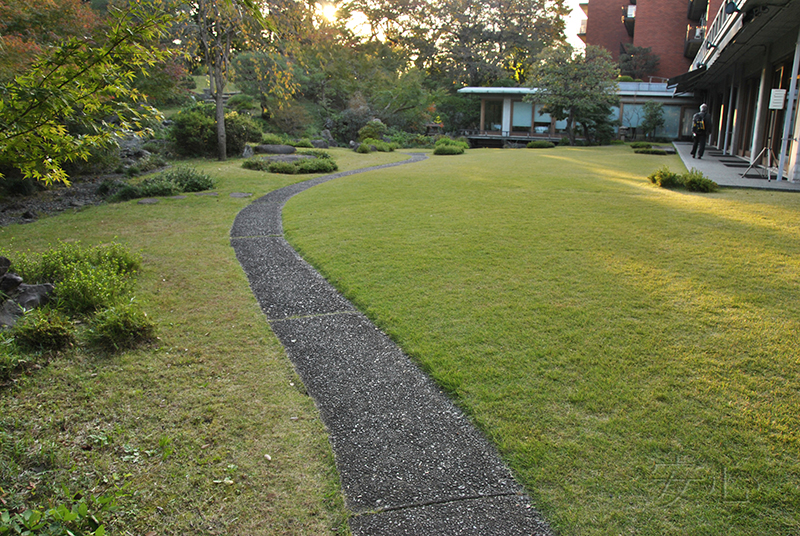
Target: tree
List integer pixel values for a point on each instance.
(28, 28)
(638, 62)
(653, 117)
(465, 42)
(219, 24)
(573, 86)
(77, 96)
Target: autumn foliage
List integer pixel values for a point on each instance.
(28, 28)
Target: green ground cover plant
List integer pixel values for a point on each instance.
(208, 429)
(449, 146)
(631, 350)
(540, 144)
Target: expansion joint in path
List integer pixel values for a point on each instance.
(422, 504)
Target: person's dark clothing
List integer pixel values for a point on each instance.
(701, 123)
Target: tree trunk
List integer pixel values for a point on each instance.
(221, 137)
(570, 126)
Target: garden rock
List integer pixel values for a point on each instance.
(9, 283)
(274, 149)
(320, 144)
(5, 264)
(33, 296)
(326, 135)
(248, 152)
(10, 313)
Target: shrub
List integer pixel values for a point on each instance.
(122, 326)
(256, 163)
(158, 186)
(85, 280)
(380, 145)
(304, 143)
(695, 181)
(540, 144)
(272, 139)
(126, 193)
(448, 150)
(239, 129)
(317, 165)
(665, 178)
(449, 146)
(87, 288)
(287, 168)
(363, 148)
(189, 179)
(617, 142)
(641, 145)
(661, 152)
(374, 129)
(241, 103)
(563, 141)
(57, 263)
(44, 329)
(193, 131)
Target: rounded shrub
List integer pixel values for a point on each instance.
(665, 178)
(188, 179)
(304, 143)
(316, 165)
(695, 181)
(269, 138)
(540, 144)
(121, 326)
(193, 131)
(449, 146)
(641, 145)
(239, 129)
(44, 329)
(374, 129)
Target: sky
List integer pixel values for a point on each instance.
(574, 22)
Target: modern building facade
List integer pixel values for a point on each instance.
(672, 29)
(506, 116)
(747, 71)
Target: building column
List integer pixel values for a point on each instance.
(787, 124)
(740, 114)
(762, 111)
(483, 114)
(506, 128)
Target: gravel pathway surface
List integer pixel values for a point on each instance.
(410, 462)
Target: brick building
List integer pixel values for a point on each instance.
(673, 29)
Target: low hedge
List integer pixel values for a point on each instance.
(693, 180)
(540, 144)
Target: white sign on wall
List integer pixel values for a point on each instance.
(776, 99)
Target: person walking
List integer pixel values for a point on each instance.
(701, 123)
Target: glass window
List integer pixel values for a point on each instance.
(493, 118)
(523, 113)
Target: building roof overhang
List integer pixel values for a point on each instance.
(745, 38)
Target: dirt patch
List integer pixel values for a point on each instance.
(25, 209)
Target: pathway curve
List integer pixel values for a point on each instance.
(410, 462)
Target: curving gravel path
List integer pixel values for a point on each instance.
(410, 462)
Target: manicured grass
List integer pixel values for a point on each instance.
(210, 426)
(632, 351)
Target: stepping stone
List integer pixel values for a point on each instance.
(209, 194)
(147, 201)
(240, 194)
(178, 197)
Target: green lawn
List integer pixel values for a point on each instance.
(210, 427)
(632, 351)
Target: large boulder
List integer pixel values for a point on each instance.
(33, 296)
(274, 149)
(320, 144)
